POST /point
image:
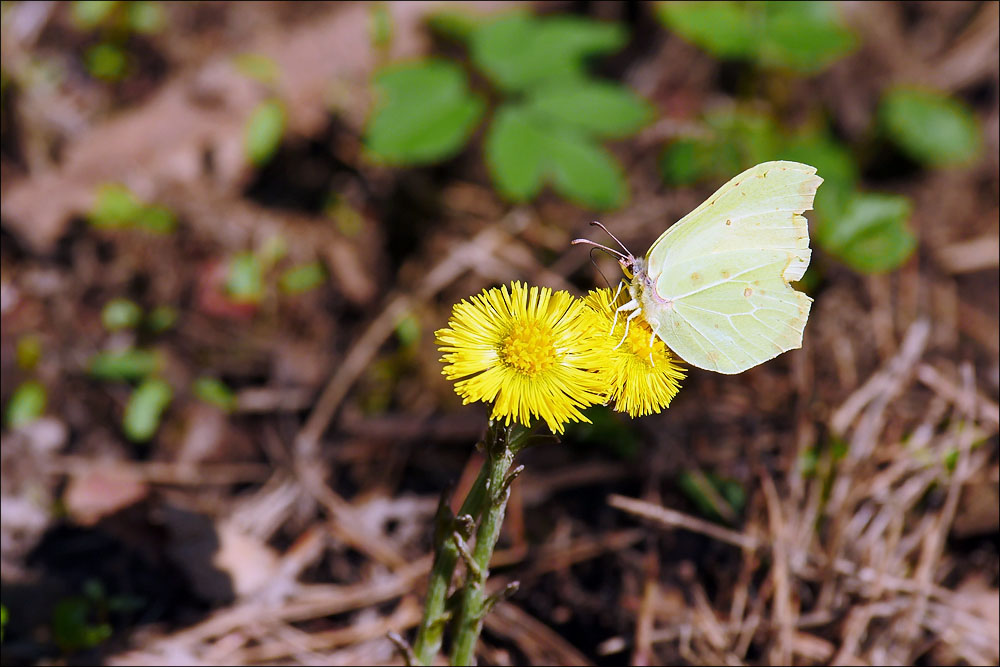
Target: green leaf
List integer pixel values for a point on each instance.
(425, 113)
(161, 318)
(458, 26)
(264, 130)
(408, 330)
(245, 279)
(106, 61)
(599, 108)
(120, 314)
(28, 351)
(834, 163)
(380, 24)
(115, 206)
(724, 29)
(525, 150)
(215, 392)
(930, 126)
(734, 140)
(124, 365)
(88, 14)
(585, 172)
(515, 153)
(257, 67)
(872, 235)
(520, 51)
(145, 16)
(802, 36)
(145, 408)
(302, 278)
(27, 404)
(72, 628)
(156, 219)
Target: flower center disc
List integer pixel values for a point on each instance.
(528, 348)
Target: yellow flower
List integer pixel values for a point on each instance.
(531, 352)
(643, 377)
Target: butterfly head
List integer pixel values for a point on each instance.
(629, 262)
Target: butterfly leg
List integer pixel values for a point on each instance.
(614, 299)
(652, 338)
(628, 320)
(631, 305)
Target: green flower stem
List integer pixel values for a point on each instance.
(432, 625)
(502, 444)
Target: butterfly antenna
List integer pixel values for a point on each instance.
(594, 262)
(605, 248)
(608, 232)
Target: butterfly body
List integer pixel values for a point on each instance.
(715, 285)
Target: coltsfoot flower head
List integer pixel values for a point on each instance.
(643, 375)
(531, 352)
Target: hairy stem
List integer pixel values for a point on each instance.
(446, 555)
(501, 445)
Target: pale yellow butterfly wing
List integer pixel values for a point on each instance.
(721, 273)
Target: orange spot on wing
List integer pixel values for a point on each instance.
(747, 292)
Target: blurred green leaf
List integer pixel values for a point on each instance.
(258, 67)
(734, 140)
(380, 25)
(519, 51)
(129, 364)
(245, 279)
(4, 617)
(456, 25)
(264, 130)
(156, 219)
(515, 153)
(88, 14)
(106, 61)
(715, 497)
(145, 408)
(120, 314)
(802, 36)
(685, 161)
(524, 150)
(724, 29)
(115, 206)
(271, 251)
(72, 628)
(585, 172)
(834, 163)
(216, 392)
(408, 330)
(302, 278)
(598, 108)
(161, 318)
(26, 405)
(146, 16)
(425, 112)
(930, 126)
(28, 351)
(872, 235)
(607, 431)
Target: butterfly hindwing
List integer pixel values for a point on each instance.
(731, 314)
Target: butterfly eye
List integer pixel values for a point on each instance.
(627, 270)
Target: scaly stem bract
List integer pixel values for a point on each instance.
(432, 625)
(501, 445)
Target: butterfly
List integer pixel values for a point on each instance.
(715, 285)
